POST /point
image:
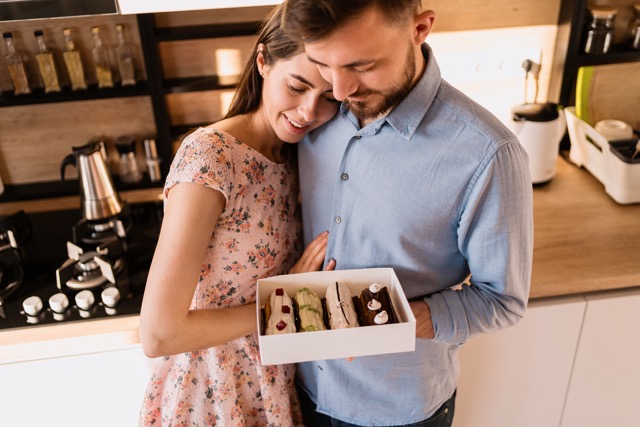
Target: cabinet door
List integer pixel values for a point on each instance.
(99, 389)
(519, 376)
(604, 387)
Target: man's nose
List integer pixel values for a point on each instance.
(344, 84)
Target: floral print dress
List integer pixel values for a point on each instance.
(258, 235)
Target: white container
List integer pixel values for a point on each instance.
(337, 343)
(539, 128)
(591, 150)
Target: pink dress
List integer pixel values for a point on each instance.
(258, 235)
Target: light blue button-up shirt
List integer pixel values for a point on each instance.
(438, 189)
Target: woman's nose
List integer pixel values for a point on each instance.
(309, 109)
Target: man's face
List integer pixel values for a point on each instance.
(370, 63)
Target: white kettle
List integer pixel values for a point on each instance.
(539, 127)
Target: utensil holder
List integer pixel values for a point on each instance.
(609, 162)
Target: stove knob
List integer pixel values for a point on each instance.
(85, 299)
(32, 306)
(59, 303)
(110, 296)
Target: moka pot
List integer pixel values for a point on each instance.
(98, 196)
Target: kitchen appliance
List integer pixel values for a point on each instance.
(614, 163)
(15, 230)
(539, 128)
(98, 196)
(77, 270)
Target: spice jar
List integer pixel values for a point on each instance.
(633, 33)
(601, 30)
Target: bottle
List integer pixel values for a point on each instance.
(601, 30)
(16, 67)
(152, 159)
(46, 65)
(127, 163)
(633, 33)
(101, 60)
(124, 56)
(73, 62)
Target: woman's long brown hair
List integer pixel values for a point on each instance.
(277, 46)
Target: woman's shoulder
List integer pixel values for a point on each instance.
(210, 137)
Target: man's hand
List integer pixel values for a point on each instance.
(424, 326)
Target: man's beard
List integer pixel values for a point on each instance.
(363, 110)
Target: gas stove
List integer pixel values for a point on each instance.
(77, 270)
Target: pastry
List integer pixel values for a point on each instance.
(374, 306)
(279, 313)
(341, 311)
(310, 311)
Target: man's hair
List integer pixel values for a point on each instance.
(313, 20)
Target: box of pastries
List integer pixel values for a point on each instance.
(333, 314)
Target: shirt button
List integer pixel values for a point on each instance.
(358, 136)
(344, 176)
(338, 220)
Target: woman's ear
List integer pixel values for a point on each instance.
(423, 24)
(260, 61)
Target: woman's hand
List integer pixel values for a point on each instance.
(313, 256)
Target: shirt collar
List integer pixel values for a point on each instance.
(407, 115)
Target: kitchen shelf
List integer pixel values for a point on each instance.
(617, 55)
(156, 87)
(207, 31)
(45, 190)
(570, 42)
(38, 96)
(195, 84)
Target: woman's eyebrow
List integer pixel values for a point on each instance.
(302, 79)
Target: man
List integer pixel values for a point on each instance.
(410, 174)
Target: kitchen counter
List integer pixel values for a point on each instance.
(584, 242)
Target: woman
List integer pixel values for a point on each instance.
(230, 219)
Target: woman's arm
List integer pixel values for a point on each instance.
(167, 325)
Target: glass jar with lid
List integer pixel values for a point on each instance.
(633, 33)
(127, 163)
(601, 30)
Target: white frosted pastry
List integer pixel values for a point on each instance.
(279, 312)
(310, 311)
(341, 311)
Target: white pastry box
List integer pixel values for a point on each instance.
(337, 343)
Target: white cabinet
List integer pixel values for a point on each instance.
(518, 377)
(98, 389)
(605, 385)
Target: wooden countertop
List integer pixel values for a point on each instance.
(584, 242)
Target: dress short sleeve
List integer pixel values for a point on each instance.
(204, 157)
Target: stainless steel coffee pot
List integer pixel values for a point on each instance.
(98, 196)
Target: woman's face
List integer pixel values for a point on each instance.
(295, 97)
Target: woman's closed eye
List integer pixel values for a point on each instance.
(296, 89)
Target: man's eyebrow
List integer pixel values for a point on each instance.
(302, 79)
(349, 65)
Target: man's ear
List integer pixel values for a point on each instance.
(423, 24)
